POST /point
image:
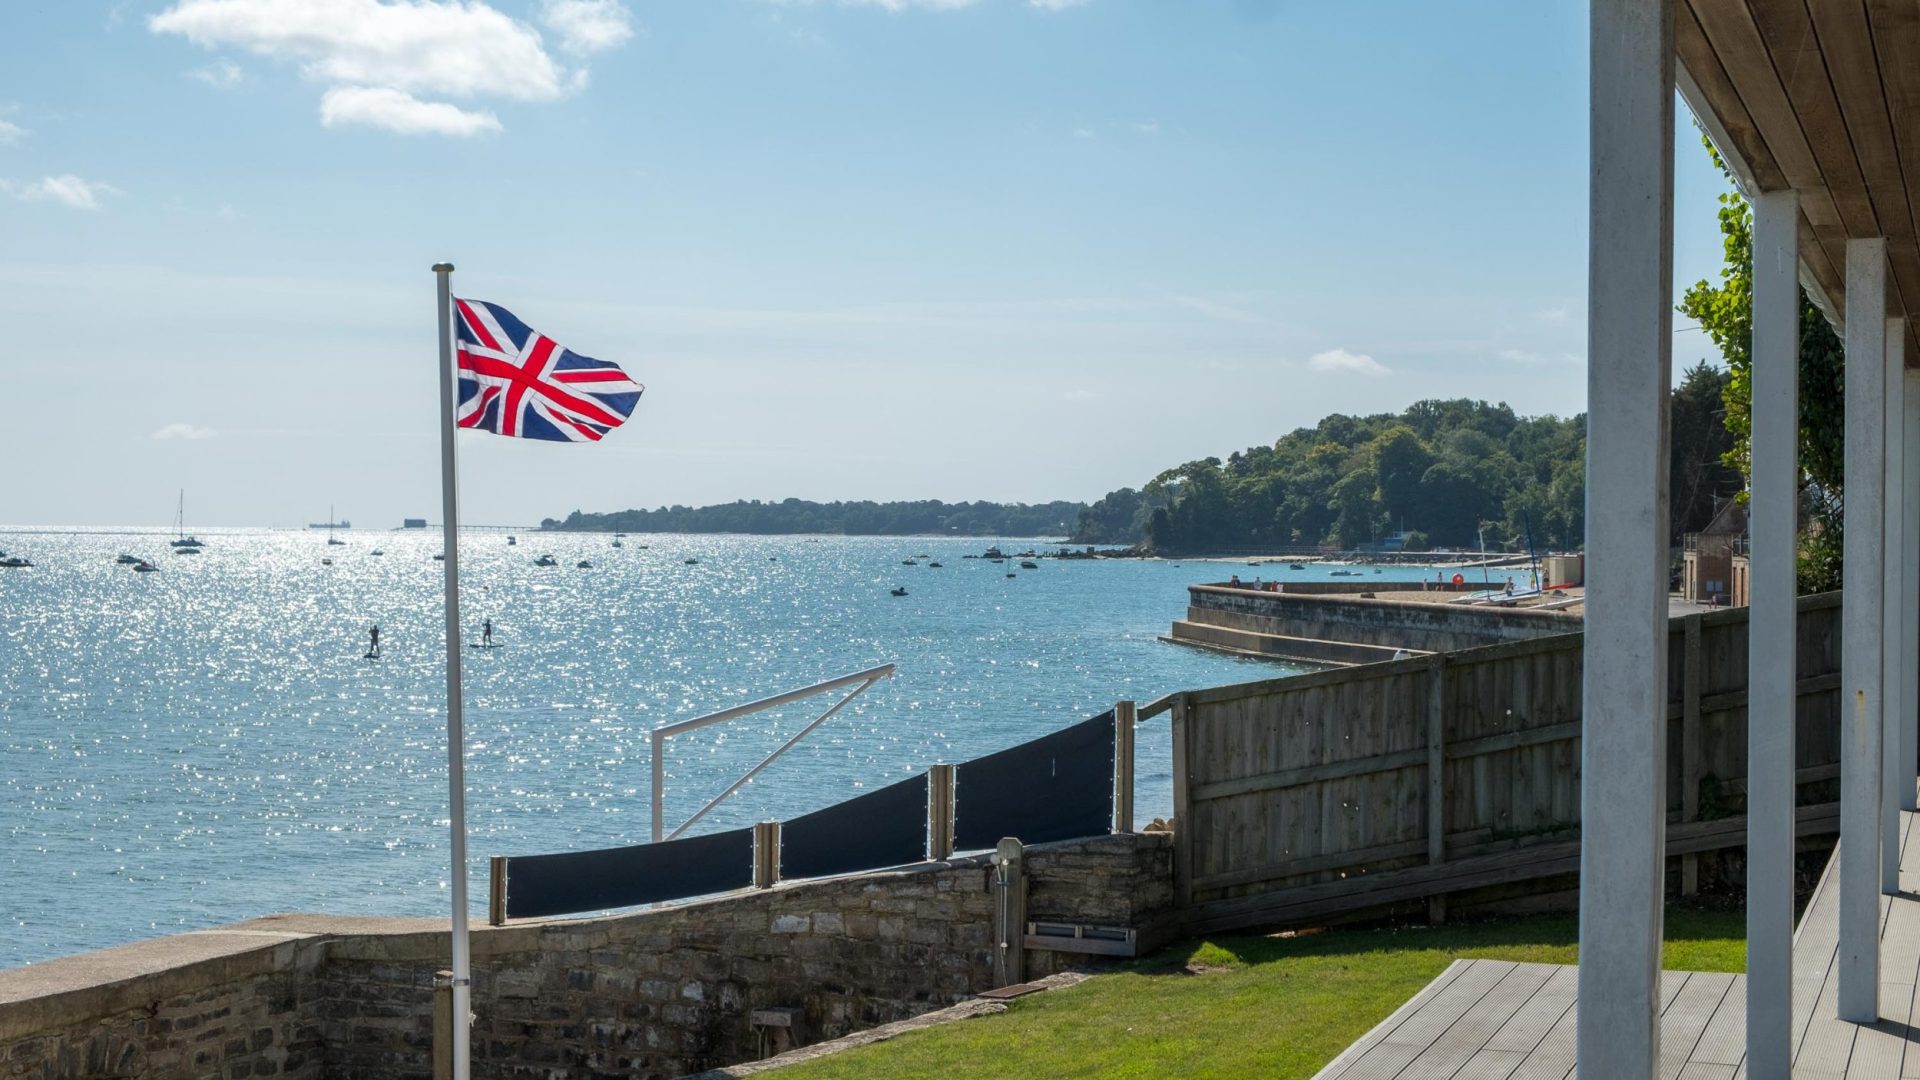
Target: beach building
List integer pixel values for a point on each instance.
(1816, 109)
(1707, 559)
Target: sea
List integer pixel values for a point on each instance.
(208, 742)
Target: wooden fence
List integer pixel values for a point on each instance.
(1350, 790)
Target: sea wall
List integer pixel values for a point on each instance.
(1362, 585)
(654, 993)
(1378, 624)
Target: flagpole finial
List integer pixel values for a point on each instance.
(443, 268)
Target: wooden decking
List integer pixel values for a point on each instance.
(1495, 1020)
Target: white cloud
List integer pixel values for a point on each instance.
(220, 76)
(183, 431)
(401, 112)
(1083, 133)
(404, 50)
(71, 190)
(1056, 5)
(1531, 358)
(588, 26)
(11, 132)
(1342, 361)
(1147, 127)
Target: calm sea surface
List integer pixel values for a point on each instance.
(204, 744)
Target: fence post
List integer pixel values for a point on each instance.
(766, 854)
(1010, 913)
(1690, 678)
(1183, 826)
(1437, 777)
(443, 1025)
(497, 890)
(939, 813)
(1123, 722)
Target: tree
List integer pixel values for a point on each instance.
(1725, 311)
(1700, 478)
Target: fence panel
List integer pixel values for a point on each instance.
(1314, 791)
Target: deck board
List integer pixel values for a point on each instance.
(1495, 1020)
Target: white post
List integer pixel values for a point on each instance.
(1910, 586)
(1860, 743)
(1624, 695)
(1893, 619)
(1771, 632)
(456, 740)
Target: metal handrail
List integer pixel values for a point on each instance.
(660, 734)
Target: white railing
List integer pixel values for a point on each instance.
(859, 680)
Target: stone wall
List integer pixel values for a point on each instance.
(653, 993)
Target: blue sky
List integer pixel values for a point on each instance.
(1006, 249)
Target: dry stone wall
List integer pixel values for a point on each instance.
(654, 993)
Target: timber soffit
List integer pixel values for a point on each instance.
(1822, 96)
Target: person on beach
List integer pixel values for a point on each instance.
(486, 634)
(373, 643)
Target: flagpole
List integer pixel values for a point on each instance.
(456, 748)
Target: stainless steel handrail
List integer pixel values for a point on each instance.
(660, 734)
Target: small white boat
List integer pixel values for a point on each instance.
(376, 551)
(583, 565)
(15, 561)
(546, 560)
(144, 567)
(123, 560)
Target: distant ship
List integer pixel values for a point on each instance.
(343, 523)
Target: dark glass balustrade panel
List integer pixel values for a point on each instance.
(882, 828)
(578, 881)
(1057, 787)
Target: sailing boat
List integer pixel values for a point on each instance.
(183, 544)
(332, 524)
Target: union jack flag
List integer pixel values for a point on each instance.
(522, 384)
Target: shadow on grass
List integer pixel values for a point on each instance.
(1554, 937)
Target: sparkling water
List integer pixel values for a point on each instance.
(207, 743)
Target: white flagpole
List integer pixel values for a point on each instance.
(456, 748)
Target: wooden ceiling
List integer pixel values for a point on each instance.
(1822, 96)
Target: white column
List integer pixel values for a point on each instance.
(1860, 659)
(1624, 693)
(1771, 625)
(1892, 619)
(1910, 586)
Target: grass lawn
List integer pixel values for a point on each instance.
(1265, 1007)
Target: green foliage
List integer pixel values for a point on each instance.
(1725, 311)
(839, 518)
(1702, 449)
(1185, 1012)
